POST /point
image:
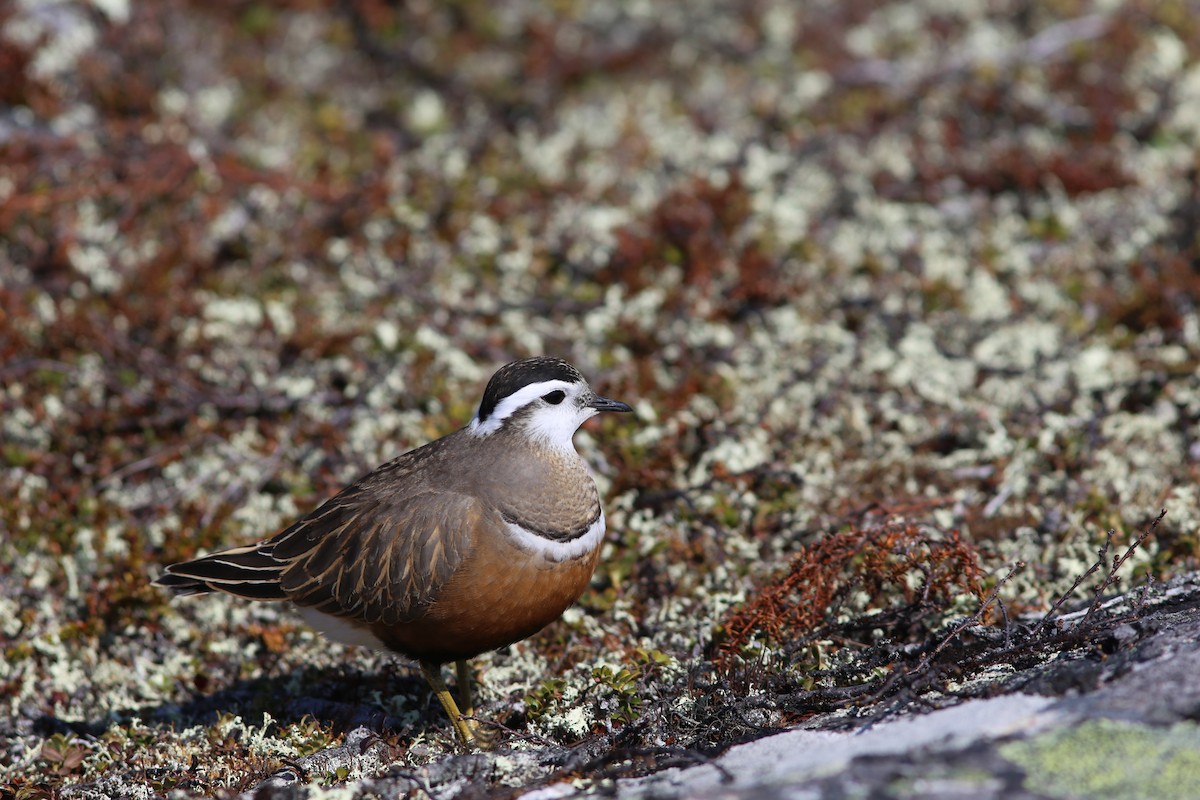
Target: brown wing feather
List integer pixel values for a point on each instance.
(243, 571)
(382, 562)
(378, 551)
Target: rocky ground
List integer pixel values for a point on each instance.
(904, 296)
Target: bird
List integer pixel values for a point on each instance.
(466, 544)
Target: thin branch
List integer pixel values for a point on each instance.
(1065, 596)
(1119, 561)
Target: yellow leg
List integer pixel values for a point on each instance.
(467, 731)
(483, 738)
(464, 687)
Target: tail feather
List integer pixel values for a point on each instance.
(248, 572)
(182, 586)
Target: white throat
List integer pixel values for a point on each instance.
(553, 425)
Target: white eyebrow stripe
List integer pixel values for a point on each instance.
(517, 400)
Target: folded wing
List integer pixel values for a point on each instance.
(357, 556)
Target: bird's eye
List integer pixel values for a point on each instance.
(555, 397)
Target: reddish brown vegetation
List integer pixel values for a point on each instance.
(1158, 292)
(876, 562)
(697, 227)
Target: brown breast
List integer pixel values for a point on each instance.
(500, 595)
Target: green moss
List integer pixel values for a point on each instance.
(1048, 227)
(16, 456)
(18, 652)
(1116, 760)
(258, 19)
(941, 295)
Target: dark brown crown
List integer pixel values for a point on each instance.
(515, 376)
